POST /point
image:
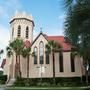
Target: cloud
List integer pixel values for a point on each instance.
(3, 13)
(13, 4)
(62, 17)
(1, 10)
(4, 37)
(7, 7)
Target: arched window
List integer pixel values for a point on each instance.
(72, 62)
(35, 55)
(61, 62)
(41, 52)
(47, 58)
(19, 31)
(27, 32)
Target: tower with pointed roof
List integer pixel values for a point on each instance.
(22, 26)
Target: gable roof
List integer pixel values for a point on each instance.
(38, 37)
(61, 40)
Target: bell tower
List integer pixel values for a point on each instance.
(22, 26)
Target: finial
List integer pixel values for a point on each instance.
(40, 29)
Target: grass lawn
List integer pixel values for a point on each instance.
(46, 88)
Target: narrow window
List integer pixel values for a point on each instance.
(19, 31)
(72, 63)
(35, 55)
(27, 32)
(41, 52)
(60, 62)
(47, 57)
(12, 31)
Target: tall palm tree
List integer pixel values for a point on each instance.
(26, 54)
(51, 47)
(17, 46)
(77, 27)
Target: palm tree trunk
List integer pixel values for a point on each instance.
(19, 67)
(53, 67)
(16, 67)
(27, 66)
(87, 72)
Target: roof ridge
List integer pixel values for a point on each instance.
(56, 36)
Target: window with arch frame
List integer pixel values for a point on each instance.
(27, 32)
(41, 52)
(35, 55)
(19, 31)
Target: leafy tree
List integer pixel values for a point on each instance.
(51, 47)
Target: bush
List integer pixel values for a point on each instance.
(45, 84)
(75, 81)
(1, 73)
(3, 79)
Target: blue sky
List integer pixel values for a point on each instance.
(48, 14)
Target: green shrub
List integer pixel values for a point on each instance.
(75, 81)
(45, 84)
(3, 79)
(1, 73)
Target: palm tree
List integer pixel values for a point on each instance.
(77, 27)
(51, 47)
(26, 54)
(9, 51)
(17, 46)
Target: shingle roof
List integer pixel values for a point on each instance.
(61, 40)
(27, 44)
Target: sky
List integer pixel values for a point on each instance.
(48, 14)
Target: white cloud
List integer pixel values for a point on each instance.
(8, 7)
(1, 10)
(61, 17)
(13, 4)
(3, 13)
(4, 38)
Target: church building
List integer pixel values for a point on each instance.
(22, 26)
